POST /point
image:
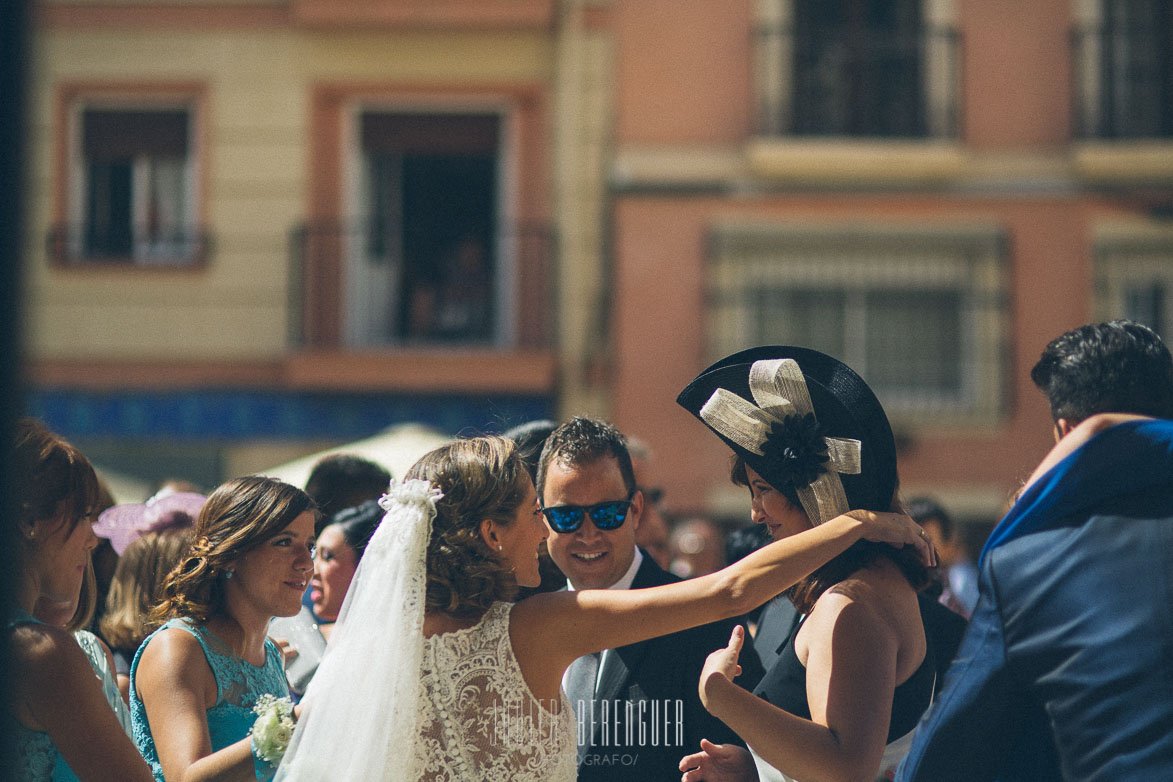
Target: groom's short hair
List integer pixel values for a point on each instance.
(1115, 367)
(584, 440)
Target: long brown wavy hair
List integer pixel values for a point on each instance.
(135, 588)
(238, 517)
(859, 555)
(481, 478)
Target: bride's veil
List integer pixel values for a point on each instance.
(359, 716)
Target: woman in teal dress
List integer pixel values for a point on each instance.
(195, 680)
(61, 725)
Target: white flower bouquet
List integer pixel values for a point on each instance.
(273, 729)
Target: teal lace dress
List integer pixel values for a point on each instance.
(37, 757)
(238, 686)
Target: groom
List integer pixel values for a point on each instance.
(1065, 670)
(637, 706)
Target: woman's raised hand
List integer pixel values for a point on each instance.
(722, 662)
(895, 529)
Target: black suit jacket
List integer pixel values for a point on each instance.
(658, 678)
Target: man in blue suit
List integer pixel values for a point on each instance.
(1066, 671)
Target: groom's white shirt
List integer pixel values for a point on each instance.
(623, 583)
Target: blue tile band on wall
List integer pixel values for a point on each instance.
(245, 414)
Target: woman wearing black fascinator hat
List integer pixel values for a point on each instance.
(811, 443)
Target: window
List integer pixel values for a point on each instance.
(857, 68)
(1123, 65)
(918, 313)
(429, 208)
(1134, 277)
(132, 189)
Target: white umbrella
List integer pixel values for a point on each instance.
(397, 448)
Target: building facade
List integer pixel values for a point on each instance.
(919, 187)
(259, 226)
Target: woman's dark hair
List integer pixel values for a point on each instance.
(860, 554)
(357, 524)
(481, 478)
(46, 472)
(238, 517)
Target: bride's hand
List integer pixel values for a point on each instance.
(895, 529)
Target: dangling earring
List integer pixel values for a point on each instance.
(227, 574)
(499, 548)
(31, 534)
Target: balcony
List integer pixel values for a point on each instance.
(355, 288)
(1123, 84)
(87, 246)
(873, 86)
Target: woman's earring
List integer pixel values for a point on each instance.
(31, 534)
(499, 548)
(227, 574)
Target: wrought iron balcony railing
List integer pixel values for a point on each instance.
(78, 245)
(354, 286)
(1123, 83)
(876, 86)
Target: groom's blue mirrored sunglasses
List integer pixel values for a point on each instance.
(605, 515)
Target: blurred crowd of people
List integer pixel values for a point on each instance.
(148, 638)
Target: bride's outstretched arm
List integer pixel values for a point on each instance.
(558, 627)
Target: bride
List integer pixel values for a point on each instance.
(434, 674)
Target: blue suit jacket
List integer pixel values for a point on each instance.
(1066, 671)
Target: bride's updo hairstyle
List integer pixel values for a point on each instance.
(238, 517)
(481, 478)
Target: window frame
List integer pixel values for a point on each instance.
(66, 244)
(1132, 253)
(1095, 42)
(941, 76)
(355, 206)
(855, 258)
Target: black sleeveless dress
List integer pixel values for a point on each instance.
(784, 685)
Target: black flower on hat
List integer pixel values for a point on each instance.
(795, 451)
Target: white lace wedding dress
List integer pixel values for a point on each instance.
(389, 705)
(479, 720)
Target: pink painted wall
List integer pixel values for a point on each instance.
(683, 71)
(1017, 88)
(659, 327)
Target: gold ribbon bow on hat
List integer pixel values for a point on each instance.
(783, 421)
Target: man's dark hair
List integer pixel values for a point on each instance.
(582, 441)
(1114, 367)
(530, 438)
(343, 481)
(924, 509)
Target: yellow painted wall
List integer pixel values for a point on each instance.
(258, 86)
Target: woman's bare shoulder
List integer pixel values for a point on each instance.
(36, 647)
(878, 594)
(172, 655)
